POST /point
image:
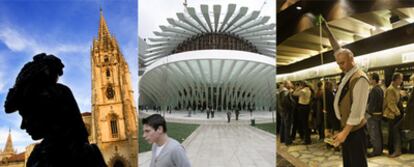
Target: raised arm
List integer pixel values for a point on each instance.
(334, 43)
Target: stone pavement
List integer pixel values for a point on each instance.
(318, 155)
(227, 145)
(282, 162)
(198, 117)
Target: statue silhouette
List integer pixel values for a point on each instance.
(49, 112)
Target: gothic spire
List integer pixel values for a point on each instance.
(103, 28)
(8, 148)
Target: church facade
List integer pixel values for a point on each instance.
(112, 124)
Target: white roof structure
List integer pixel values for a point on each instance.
(235, 22)
(240, 78)
(213, 59)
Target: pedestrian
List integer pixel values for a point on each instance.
(393, 114)
(350, 104)
(286, 105)
(318, 111)
(228, 116)
(166, 151)
(332, 124)
(237, 113)
(408, 119)
(304, 93)
(374, 111)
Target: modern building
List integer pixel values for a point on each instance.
(218, 57)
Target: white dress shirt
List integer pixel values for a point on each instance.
(359, 98)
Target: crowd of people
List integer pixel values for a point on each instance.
(304, 109)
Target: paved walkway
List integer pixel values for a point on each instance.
(219, 117)
(227, 145)
(318, 155)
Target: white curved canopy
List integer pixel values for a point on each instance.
(215, 77)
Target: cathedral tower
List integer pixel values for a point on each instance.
(113, 125)
(8, 150)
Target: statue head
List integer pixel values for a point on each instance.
(33, 94)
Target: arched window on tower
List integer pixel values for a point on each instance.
(108, 73)
(110, 93)
(114, 127)
(106, 59)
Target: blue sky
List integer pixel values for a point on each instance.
(66, 29)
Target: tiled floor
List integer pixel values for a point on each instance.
(227, 145)
(318, 155)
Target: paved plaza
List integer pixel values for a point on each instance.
(198, 117)
(318, 155)
(222, 144)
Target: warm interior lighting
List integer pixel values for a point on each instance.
(407, 57)
(387, 57)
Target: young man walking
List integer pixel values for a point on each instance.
(165, 150)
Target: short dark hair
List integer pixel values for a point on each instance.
(375, 76)
(320, 84)
(155, 121)
(396, 75)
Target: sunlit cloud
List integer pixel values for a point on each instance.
(13, 39)
(20, 41)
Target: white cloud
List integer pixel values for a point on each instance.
(75, 56)
(13, 40)
(19, 41)
(67, 48)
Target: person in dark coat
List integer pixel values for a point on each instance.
(49, 112)
(286, 107)
(318, 110)
(408, 122)
(374, 111)
(332, 124)
(408, 119)
(208, 112)
(228, 116)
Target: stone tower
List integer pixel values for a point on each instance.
(114, 115)
(8, 150)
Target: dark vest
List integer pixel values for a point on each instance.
(345, 101)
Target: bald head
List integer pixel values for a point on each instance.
(287, 84)
(345, 59)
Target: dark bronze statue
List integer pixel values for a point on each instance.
(49, 112)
